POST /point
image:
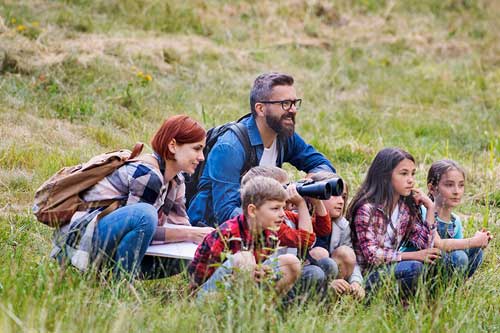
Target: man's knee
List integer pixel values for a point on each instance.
(346, 259)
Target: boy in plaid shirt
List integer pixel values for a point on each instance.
(250, 239)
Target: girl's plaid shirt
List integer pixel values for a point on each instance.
(370, 227)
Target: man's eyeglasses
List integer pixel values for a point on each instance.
(286, 104)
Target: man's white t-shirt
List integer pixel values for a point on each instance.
(270, 155)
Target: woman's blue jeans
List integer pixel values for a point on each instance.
(122, 237)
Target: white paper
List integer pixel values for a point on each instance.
(181, 250)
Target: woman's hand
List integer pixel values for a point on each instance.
(196, 234)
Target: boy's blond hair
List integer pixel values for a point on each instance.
(266, 171)
(260, 189)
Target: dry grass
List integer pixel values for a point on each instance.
(421, 75)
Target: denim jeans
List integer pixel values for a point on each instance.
(122, 237)
(314, 277)
(463, 261)
(406, 272)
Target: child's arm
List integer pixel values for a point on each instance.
(422, 235)
(322, 224)
(297, 238)
(304, 219)
(480, 239)
(422, 199)
(207, 254)
(426, 255)
(356, 276)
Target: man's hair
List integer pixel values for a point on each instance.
(264, 84)
(260, 189)
(266, 171)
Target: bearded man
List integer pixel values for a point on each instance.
(271, 132)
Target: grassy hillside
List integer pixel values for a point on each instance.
(79, 77)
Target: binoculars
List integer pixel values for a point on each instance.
(322, 190)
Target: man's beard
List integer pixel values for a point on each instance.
(276, 125)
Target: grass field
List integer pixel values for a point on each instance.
(79, 77)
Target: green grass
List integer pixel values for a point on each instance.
(421, 75)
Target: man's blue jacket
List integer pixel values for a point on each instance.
(220, 198)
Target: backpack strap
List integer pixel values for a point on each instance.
(241, 132)
(282, 150)
(136, 150)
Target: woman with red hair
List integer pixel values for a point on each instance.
(152, 191)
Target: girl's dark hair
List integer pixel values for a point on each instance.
(377, 189)
(438, 169)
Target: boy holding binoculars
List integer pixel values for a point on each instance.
(298, 232)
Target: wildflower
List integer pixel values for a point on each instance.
(21, 28)
(140, 74)
(148, 77)
(13, 20)
(35, 24)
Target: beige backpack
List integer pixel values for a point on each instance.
(59, 197)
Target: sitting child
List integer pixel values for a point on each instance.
(338, 245)
(446, 184)
(299, 231)
(250, 240)
(383, 214)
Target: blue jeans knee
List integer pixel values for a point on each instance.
(125, 234)
(329, 267)
(457, 260)
(311, 278)
(475, 256)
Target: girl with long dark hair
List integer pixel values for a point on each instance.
(384, 213)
